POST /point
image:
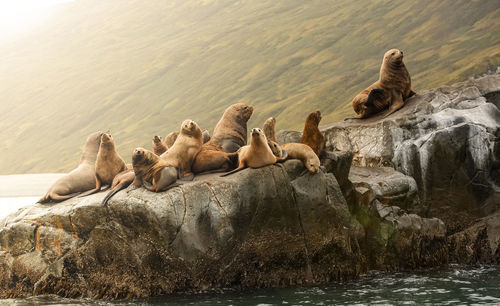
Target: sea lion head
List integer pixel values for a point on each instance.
(157, 139)
(106, 138)
(191, 128)
(243, 111)
(258, 136)
(275, 148)
(271, 121)
(314, 117)
(142, 157)
(393, 56)
(313, 164)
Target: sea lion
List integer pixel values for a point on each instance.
(229, 135)
(107, 165)
(269, 129)
(305, 153)
(187, 145)
(170, 139)
(390, 91)
(152, 172)
(311, 134)
(80, 179)
(257, 154)
(159, 146)
(121, 181)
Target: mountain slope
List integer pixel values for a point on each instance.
(141, 67)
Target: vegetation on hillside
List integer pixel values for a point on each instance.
(139, 68)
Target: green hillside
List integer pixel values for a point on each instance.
(139, 68)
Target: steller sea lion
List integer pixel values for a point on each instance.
(187, 145)
(80, 179)
(311, 134)
(170, 139)
(159, 146)
(270, 129)
(390, 91)
(229, 135)
(120, 181)
(304, 153)
(257, 154)
(107, 165)
(152, 172)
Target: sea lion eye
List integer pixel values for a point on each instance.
(392, 53)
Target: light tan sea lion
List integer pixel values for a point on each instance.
(304, 153)
(311, 134)
(270, 129)
(80, 179)
(159, 146)
(390, 91)
(187, 145)
(152, 172)
(108, 164)
(229, 135)
(257, 154)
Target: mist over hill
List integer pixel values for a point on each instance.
(139, 68)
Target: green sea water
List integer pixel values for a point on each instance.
(453, 286)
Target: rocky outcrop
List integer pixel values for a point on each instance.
(447, 139)
(274, 226)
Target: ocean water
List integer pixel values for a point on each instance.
(9, 205)
(453, 286)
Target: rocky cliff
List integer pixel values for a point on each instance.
(373, 205)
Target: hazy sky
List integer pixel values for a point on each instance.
(20, 16)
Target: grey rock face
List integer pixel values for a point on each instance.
(275, 226)
(446, 138)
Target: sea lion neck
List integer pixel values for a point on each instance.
(91, 148)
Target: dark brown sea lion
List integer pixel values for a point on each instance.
(311, 134)
(152, 172)
(257, 154)
(389, 92)
(304, 153)
(187, 145)
(80, 179)
(159, 146)
(108, 164)
(229, 135)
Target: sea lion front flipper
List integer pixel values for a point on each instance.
(374, 94)
(412, 93)
(59, 198)
(113, 191)
(397, 103)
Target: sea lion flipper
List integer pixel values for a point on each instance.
(114, 191)
(233, 171)
(59, 198)
(92, 191)
(374, 94)
(284, 156)
(396, 105)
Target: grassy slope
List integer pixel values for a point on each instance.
(140, 67)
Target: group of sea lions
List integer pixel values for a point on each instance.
(192, 151)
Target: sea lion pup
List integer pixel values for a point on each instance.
(152, 172)
(229, 135)
(107, 165)
(257, 154)
(390, 91)
(159, 146)
(304, 153)
(311, 134)
(170, 139)
(187, 145)
(80, 179)
(269, 129)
